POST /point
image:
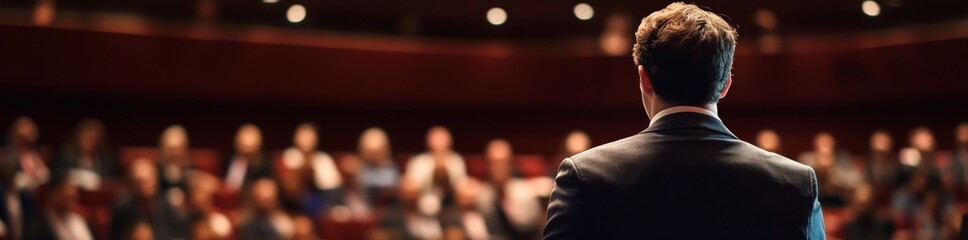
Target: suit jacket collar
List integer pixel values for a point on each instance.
(689, 120)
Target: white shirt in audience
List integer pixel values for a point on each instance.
(325, 174)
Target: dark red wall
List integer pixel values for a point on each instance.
(139, 84)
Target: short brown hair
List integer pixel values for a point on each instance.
(687, 53)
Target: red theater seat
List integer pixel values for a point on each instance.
(226, 198)
(401, 161)
(834, 220)
(351, 230)
(104, 196)
(476, 166)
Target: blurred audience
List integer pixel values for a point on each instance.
(769, 140)
(204, 218)
(144, 203)
(88, 155)
(24, 152)
(305, 156)
(868, 221)
(351, 201)
(379, 174)
(264, 219)
(881, 168)
(19, 209)
(508, 203)
(248, 162)
(959, 157)
(174, 157)
(438, 170)
(58, 219)
(921, 209)
(835, 171)
(575, 142)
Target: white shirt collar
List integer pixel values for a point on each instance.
(679, 109)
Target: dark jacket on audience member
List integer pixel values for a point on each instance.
(105, 165)
(164, 220)
(28, 211)
(684, 177)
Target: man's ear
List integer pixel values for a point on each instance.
(729, 81)
(644, 83)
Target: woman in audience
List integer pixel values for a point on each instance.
(264, 219)
(24, 153)
(836, 174)
(881, 168)
(88, 153)
(144, 203)
(174, 157)
(248, 163)
(58, 219)
(769, 140)
(508, 203)
(202, 213)
(305, 156)
(379, 174)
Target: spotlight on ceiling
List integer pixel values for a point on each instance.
(296, 13)
(583, 11)
(497, 16)
(871, 8)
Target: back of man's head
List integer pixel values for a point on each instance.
(687, 53)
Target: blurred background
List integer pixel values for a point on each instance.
(111, 76)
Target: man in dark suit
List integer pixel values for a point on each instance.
(686, 176)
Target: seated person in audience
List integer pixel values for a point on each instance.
(58, 219)
(19, 209)
(174, 157)
(379, 174)
(303, 228)
(305, 156)
(439, 169)
(203, 214)
(867, 222)
(298, 196)
(959, 157)
(142, 231)
(922, 209)
(574, 143)
(508, 203)
(264, 219)
(881, 167)
(23, 152)
(422, 211)
(769, 140)
(351, 202)
(920, 156)
(88, 155)
(836, 174)
(248, 163)
(144, 203)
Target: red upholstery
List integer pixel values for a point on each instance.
(104, 196)
(226, 198)
(834, 220)
(351, 230)
(531, 165)
(476, 166)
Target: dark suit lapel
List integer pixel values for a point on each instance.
(689, 120)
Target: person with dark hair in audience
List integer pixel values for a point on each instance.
(922, 209)
(264, 219)
(867, 221)
(23, 151)
(959, 158)
(58, 219)
(18, 210)
(920, 156)
(836, 173)
(379, 174)
(174, 157)
(248, 163)
(202, 212)
(769, 140)
(144, 203)
(881, 168)
(88, 155)
(351, 201)
(508, 203)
